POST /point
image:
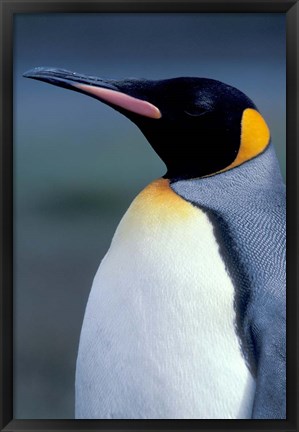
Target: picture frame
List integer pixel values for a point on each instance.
(8, 9)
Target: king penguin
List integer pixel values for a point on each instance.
(186, 316)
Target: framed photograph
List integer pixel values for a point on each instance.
(143, 227)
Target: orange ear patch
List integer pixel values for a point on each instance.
(255, 136)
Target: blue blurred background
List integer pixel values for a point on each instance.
(78, 164)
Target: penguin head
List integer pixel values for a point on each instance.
(198, 126)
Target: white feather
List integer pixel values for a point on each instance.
(158, 339)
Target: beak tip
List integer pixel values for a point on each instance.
(32, 73)
(28, 73)
(38, 71)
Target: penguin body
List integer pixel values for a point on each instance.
(163, 335)
(186, 315)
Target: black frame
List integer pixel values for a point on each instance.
(7, 9)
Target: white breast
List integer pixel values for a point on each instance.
(158, 338)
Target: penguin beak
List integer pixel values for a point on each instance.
(113, 93)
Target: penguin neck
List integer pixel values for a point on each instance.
(261, 172)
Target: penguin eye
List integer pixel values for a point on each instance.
(197, 112)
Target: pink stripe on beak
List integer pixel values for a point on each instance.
(122, 100)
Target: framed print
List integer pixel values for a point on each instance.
(145, 150)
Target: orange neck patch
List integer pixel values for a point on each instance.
(159, 198)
